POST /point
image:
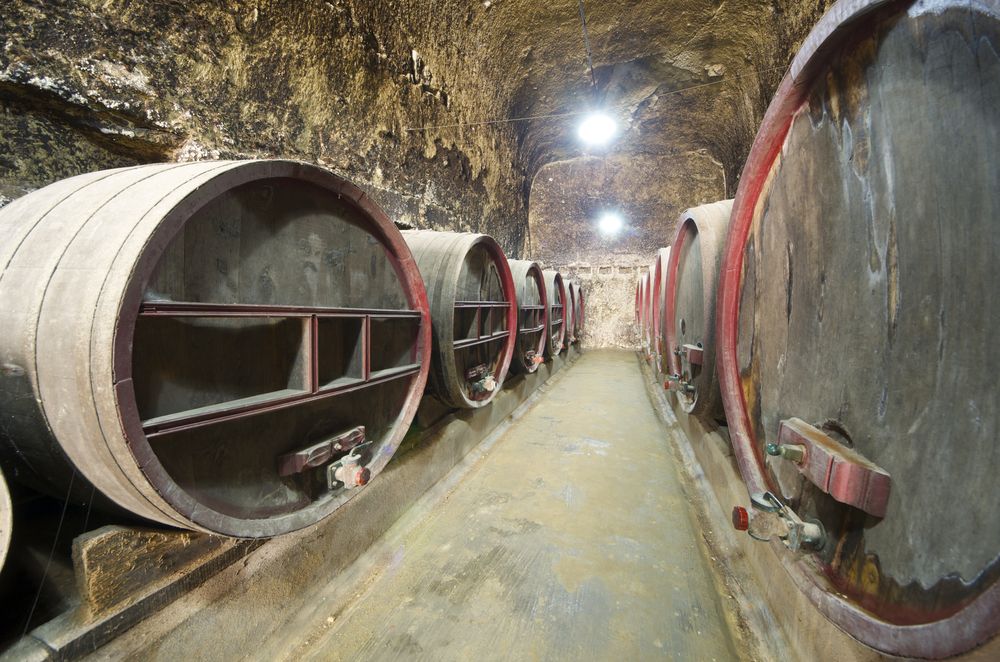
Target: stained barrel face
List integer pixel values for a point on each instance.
(474, 310)
(688, 322)
(533, 316)
(555, 291)
(213, 345)
(852, 315)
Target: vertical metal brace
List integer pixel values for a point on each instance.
(320, 453)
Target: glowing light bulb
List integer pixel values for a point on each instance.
(610, 224)
(597, 129)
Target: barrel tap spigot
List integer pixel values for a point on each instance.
(485, 385)
(773, 519)
(348, 472)
(681, 384)
(793, 452)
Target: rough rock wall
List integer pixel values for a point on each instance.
(605, 286)
(650, 192)
(93, 84)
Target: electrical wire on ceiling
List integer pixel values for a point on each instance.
(528, 118)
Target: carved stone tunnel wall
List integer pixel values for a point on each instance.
(100, 84)
(411, 101)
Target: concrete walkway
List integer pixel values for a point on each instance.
(570, 540)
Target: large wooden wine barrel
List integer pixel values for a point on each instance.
(226, 346)
(555, 292)
(857, 321)
(473, 311)
(6, 520)
(688, 324)
(659, 298)
(533, 316)
(638, 294)
(647, 315)
(640, 311)
(578, 312)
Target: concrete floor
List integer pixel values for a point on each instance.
(570, 540)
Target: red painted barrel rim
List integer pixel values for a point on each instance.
(650, 289)
(644, 283)
(654, 308)
(399, 256)
(571, 290)
(670, 301)
(978, 620)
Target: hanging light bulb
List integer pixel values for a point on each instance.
(610, 223)
(597, 129)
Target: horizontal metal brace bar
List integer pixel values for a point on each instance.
(482, 304)
(224, 412)
(194, 309)
(471, 342)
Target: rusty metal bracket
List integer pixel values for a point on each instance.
(477, 372)
(841, 472)
(694, 354)
(320, 453)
